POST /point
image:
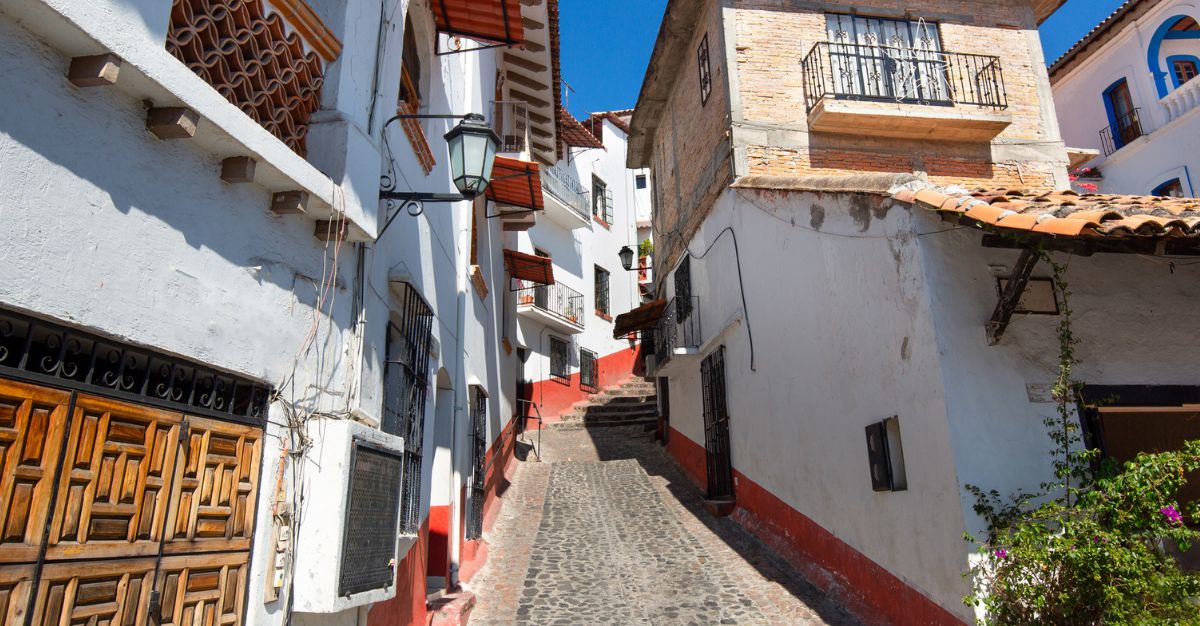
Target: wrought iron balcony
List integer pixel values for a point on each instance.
(562, 185)
(845, 84)
(1127, 128)
(557, 304)
(678, 331)
(269, 63)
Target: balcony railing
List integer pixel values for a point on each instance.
(905, 75)
(558, 300)
(1185, 98)
(679, 327)
(270, 64)
(510, 120)
(563, 185)
(1127, 128)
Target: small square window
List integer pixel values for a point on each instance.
(886, 456)
(639, 181)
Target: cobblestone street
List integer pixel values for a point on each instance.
(606, 530)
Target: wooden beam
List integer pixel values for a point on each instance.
(1011, 296)
(239, 169)
(100, 70)
(289, 203)
(1087, 246)
(172, 122)
(330, 230)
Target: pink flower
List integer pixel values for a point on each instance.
(1172, 514)
(1002, 553)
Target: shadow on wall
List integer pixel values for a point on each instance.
(629, 443)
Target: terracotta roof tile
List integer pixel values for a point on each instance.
(1065, 213)
(573, 133)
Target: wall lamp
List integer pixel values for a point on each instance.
(626, 255)
(472, 145)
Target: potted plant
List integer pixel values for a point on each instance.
(526, 298)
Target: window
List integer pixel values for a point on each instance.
(602, 201)
(873, 57)
(410, 68)
(705, 70)
(589, 370)
(479, 444)
(1123, 119)
(639, 181)
(886, 456)
(406, 385)
(1185, 70)
(1171, 189)
(601, 290)
(560, 359)
(683, 289)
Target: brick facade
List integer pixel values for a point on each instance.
(757, 123)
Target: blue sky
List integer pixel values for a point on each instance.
(604, 52)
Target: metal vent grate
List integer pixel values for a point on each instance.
(372, 512)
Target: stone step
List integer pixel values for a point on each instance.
(603, 414)
(593, 423)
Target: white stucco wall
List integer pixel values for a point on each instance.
(843, 337)
(1167, 152)
(108, 228)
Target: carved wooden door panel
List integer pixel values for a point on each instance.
(145, 500)
(32, 420)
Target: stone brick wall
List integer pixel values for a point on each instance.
(692, 151)
(774, 36)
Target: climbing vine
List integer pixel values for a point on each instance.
(1092, 546)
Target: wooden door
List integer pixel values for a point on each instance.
(107, 501)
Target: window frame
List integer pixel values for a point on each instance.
(1174, 182)
(602, 210)
(704, 65)
(601, 290)
(478, 400)
(589, 370)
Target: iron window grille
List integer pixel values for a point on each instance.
(560, 359)
(671, 333)
(683, 289)
(868, 58)
(602, 201)
(589, 371)
(601, 290)
(53, 354)
(705, 70)
(372, 511)
(716, 426)
(478, 399)
(406, 388)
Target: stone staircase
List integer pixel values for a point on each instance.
(630, 403)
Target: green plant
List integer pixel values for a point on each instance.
(646, 248)
(1089, 547)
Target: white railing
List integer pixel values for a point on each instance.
(1185, 98)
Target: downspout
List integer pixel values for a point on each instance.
(457, 506)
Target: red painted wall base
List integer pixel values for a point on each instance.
(555, 397)
(872, 593)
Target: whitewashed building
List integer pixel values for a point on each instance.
(592, 203)
(847, 310)
(235, 385)
(1126, 96)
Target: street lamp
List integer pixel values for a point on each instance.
(472, 145)
(627, 259)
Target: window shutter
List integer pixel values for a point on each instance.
(877, 456)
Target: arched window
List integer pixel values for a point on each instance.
(1171, 189)
(1179, 67)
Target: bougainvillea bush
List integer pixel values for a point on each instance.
(1092, 546)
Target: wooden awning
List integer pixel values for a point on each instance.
(535, 269)
(517, 183)
(497, 21)
(641, 318)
